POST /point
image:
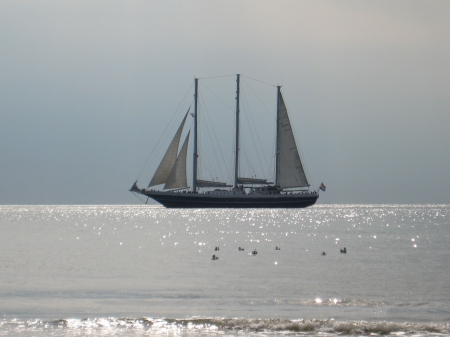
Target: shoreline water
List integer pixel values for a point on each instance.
(203, 326)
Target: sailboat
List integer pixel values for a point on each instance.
(290, 188)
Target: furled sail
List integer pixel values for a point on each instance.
(253, 181)
(290, 168)
(207, 183)
(177, 177)
(168, 161)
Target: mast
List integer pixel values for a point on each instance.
(194, 165)
(277, 147)
(236, 159)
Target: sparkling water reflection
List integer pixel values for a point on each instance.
(60, 262)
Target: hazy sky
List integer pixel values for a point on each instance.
(87, 87)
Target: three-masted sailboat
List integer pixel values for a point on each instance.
(290, 188)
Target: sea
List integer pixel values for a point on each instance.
(144, 270)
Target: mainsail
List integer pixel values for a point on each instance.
(290, 168)
(165, 167)
(177, 177)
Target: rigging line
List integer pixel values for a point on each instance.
(270, 167)
(201, 149)
(251, 123)
(226, 104)
(254, 79)
(138, 198)
(250, 128)
(159, 140)
(249, 163)
(215, 136)
(220, 76)
(258, 156)
(211, 127)
(260, 101)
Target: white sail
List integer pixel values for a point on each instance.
(177, 177)
(168, 161)
(290, 168)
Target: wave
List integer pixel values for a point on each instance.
(198, 326)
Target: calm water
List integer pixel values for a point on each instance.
(145, 270)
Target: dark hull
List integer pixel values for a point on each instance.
(192, 200)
